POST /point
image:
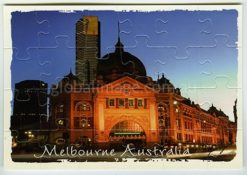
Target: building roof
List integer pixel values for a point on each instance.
(214, 111)
(33, 84)
(120, 62)
(164, 80)
(70, 76)
(69, 79)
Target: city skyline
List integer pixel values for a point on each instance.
(219, 58)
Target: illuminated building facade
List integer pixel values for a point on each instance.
(124, 105)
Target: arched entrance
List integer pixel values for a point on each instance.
(127, 132)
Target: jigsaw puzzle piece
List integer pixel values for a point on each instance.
(217, 23)
(218, 86)
(61, 54)
(206, 23)
(203, 35)
(155, 35)
(46, 68)
(30, 53)
(160, 25)
(125, 26)
(50, 39)
(161, 55)
(178, 29)
(224, 40)
(34, 28)
(34, 65)
(22, 96)
(209, 57)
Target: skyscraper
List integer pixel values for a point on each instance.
(87, 48)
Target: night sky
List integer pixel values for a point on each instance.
(196, 50)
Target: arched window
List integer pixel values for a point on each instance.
(80, 107)
(164, 119)
(162, 108)
(85, 107)
(127, 127)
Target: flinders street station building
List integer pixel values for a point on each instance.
(110, 100)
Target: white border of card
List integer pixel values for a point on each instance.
(236, 163)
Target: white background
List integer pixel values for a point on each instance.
(120, 172)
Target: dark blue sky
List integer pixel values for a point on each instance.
(192, 48)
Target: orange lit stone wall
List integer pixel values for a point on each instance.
(106, 117)
(75, 133)
(196, 126)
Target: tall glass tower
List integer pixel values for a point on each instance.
(87, 48)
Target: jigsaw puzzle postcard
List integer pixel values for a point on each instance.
(126, 87)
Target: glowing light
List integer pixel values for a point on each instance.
(127, 133)
(60, 122)
(14, 144)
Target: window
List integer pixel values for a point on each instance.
(161, 122)
(82, 107)
(178, 123)
(161, 108)
(167, 122)
(60, 108)
(140, 102)
(188, 125)
(82, 122)
(111, 102)
(206, 127)
(131, 102)
(189, 138)
(121, 102)
(86, 107)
